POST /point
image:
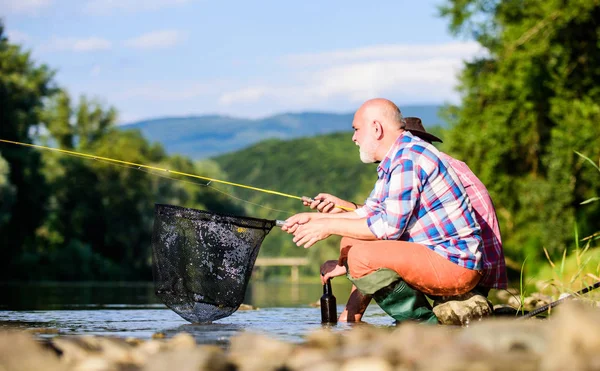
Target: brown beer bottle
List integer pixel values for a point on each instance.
(328, 304)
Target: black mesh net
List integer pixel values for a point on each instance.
(202, 261)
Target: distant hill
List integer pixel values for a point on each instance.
(206, 136)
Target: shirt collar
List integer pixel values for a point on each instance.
(384, 165)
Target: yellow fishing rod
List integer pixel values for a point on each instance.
(121, 162)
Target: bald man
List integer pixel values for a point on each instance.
(416, 233)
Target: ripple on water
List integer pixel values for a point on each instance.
(290, 324)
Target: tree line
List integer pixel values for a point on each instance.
(529, 105)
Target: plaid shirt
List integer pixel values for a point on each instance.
(418, 198)
(494, 267)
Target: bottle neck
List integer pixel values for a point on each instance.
(327, 288)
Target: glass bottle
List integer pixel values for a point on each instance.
(328, 304)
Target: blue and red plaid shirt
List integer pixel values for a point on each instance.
(418, 198)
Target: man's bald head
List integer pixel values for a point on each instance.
(383, 111)
(377, 124)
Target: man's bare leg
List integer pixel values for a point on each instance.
(356, 306)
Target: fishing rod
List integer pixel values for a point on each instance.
(142, 166)
(559, 301)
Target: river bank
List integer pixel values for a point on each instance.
(568, 339)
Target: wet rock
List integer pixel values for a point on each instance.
(462, 310)
(19, 351)
(247, 307)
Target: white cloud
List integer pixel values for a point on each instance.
(30, 7)
(156, 40)
(89, 44)
(384, 53)
(102, 7)
(416, 73)
(18, 37)
(173, 92)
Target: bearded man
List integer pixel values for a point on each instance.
(416, 234)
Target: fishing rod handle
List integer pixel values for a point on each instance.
(309, 199)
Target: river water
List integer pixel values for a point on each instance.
(285, 311)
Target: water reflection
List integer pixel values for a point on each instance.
(89, 295)
(132, 310)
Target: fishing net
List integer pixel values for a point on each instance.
(202, 261)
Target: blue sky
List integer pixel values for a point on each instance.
(241, 58)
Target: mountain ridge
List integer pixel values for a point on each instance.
(204, 136)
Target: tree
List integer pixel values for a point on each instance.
(23, 88)
(7, 192)
(527, 105)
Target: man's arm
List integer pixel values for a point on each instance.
(320, 228)
(355, 307)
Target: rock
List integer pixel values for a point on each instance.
(247, 307)
(308, 358)
(462, 310)
(87, 351)
(323, 339)
(536, 300)
(575, 338)
(504, 295)
(366, 363)
(19, 351)
(506, 335)
(410, 342)
(206, 357)
(249, 352)
(183, 340)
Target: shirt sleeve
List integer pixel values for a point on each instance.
(389, 216)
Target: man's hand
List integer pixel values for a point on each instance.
(331, 269)
(311, 232)
(293, 222)
(326, 203)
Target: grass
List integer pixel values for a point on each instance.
(576, 269)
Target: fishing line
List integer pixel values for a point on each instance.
(203, 185)
(139, 166)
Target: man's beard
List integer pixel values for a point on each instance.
(367, 152)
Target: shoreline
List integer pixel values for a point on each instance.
(568, 339)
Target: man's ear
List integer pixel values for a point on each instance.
(378, 129)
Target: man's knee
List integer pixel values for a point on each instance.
(358, 261)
